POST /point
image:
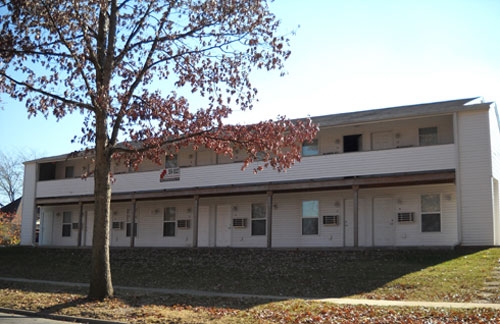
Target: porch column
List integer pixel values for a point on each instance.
(41, 229)
(196, 205)
(80, 223)
(355, 191)
(133, 226)
(269, 219)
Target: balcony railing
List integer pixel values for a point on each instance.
(412, 159)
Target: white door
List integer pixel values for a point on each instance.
(363, 225)
(203, 226)
(382, 140)
(46, 226)
(223, 227)
(383, 228)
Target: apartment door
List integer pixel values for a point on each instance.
(89, 228)
(204, 226)
(362, 223)
(46, 227)
(223, 226)
(384, 222)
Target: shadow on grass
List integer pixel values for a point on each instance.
(304, 273)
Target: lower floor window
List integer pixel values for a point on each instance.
(258, 219)
(66, 224)
(431, 222)
(129, 229)
(310, 216)
(169, 221)
(431, 212)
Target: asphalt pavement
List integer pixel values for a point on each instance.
(21, 319)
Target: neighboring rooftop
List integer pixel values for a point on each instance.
(12, 207)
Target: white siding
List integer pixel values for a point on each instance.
(150, 223)
(413, 159)
(475, 178)
(28, 204)
(495, 141)
(287, 218)
(495, 160)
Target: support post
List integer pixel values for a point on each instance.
(355, 218)
(269, 218)
(196, 206)
(80, 223)
(133, 226)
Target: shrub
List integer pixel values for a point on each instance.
(10, 233)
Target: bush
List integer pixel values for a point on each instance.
(10, 233)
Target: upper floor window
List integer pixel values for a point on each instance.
(171, 171)
(427, 136)
(310, 148)
(171, 162)
(47, 171)
(352, 143)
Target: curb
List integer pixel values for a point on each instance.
(57, 317)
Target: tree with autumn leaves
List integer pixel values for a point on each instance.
(124, 66)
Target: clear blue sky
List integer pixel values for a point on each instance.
(347, 55)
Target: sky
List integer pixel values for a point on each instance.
(347, 55)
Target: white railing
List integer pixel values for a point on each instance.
(412, 159)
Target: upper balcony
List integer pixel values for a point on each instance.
(363, 163)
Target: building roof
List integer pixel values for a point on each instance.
(401, 112)
(12, 207)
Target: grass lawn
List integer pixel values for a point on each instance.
(430, 275)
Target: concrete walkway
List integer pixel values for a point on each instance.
(339, 301)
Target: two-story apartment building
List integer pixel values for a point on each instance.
(420, 175)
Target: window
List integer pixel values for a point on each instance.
(431, 213)
(171, 171)
(352, 143)
(427, 136)
(169, 221)
(129, 229)
(310, 215)
(406, 217)
(69, 172)
(331, 220)
(258, 219)
(47, 171)
(310, 148)
(66, 224)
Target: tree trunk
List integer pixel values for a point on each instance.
(100, 280)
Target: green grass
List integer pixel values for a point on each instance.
(417, 274)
